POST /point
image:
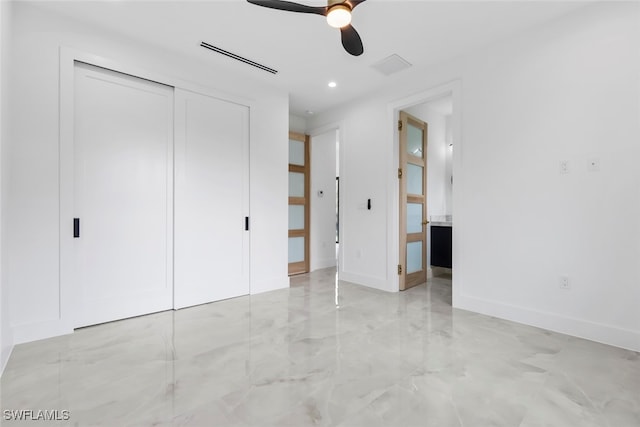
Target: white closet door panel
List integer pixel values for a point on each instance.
(123, 143)
(211, 244)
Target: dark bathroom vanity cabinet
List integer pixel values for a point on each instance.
(441, 244)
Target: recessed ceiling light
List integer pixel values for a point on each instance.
(309, 112)
(333, 84)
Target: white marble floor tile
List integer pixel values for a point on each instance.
(324, 353)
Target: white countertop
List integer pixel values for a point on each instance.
(441, 224)
(441, 220)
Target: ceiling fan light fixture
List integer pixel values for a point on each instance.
(336, 12)
(339, 16)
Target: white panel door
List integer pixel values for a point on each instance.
(211, 199)
(123, 147)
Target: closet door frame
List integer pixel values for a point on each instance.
(67, 301)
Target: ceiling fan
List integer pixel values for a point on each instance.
(337, 12)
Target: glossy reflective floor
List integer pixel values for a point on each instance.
(325, 353)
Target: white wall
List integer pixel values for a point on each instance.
(297, 124)
(32, 201)
(6, 341)
(571, 93)
(363, 158)
(569, 90)
(323, 209)
(448, 166)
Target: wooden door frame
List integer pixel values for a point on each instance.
(407, 281)
(302, 266)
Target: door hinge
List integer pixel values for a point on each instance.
(399, 124)
(399, 173)
(399, 270)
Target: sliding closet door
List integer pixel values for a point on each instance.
(123, 184)
(211, 199)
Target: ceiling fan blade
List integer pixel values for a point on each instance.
(351, 40)
(354, 3)
(290, 6)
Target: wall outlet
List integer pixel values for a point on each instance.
(564, 282)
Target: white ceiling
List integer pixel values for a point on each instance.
(305, 50)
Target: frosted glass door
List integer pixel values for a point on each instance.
(414, 140)
(296, 217)
(296, 152)
(415, 178)
(413, 209)
(296, 249)
(414, 218)
(296, 184)
(414, 257)
(298, 203)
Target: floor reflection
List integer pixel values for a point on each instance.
(325, 352)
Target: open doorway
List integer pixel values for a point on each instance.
(325, 232)
(439, 154)
(439, 109)
(412, 179)
(337, 196)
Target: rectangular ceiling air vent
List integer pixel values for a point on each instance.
(238, 58)
(391, 65)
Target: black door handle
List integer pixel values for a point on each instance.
(76, 228)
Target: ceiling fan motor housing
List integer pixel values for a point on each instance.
(332, 3)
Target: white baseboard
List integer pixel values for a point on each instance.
(269, 284)
(371, 282)
(602, 333)
(429, 273)
(323, 263)
(40, 331)
(4, 358)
